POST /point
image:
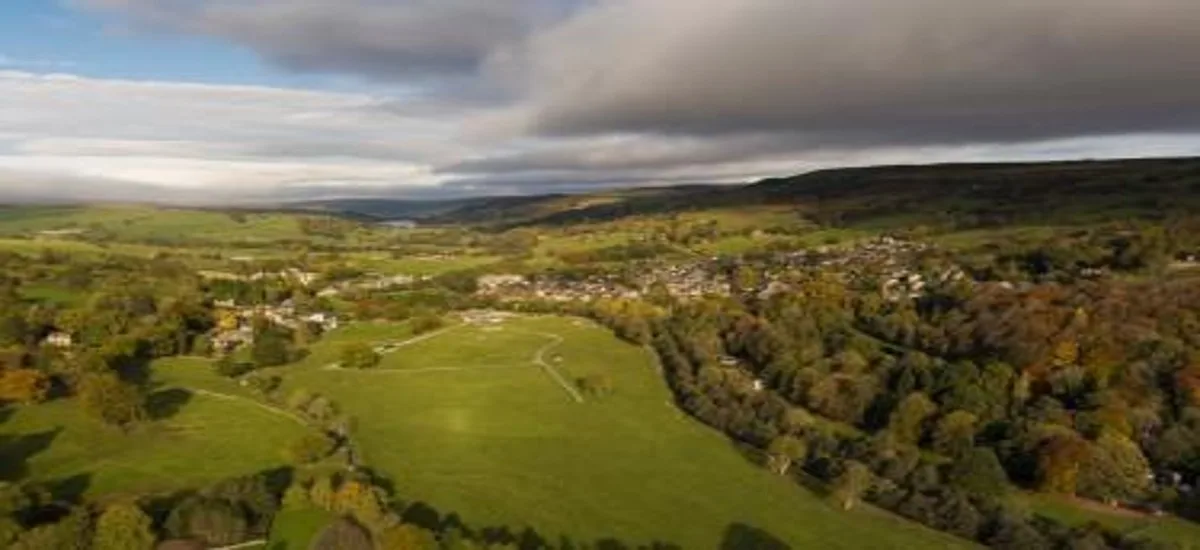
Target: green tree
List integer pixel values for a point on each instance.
(364, 503)
(310, 448)
(955, 433)
(407, 537)
(296, 498)
(1114, 469)
(907, 421)
(849, 487)
(359, 355)
(785, 451)
(271, 349)
(979, 472)
(73, 532)
(111, 400)
(123, 527)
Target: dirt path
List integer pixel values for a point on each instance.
(226, 397)
(539, 359)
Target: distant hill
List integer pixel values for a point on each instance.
(964, 194)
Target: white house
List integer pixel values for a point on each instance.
(59, 340)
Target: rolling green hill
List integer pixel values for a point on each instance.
(468, 422)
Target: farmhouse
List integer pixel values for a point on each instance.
(59, 340)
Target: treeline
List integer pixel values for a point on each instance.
(940, 408)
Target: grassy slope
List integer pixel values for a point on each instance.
(1167, 529)
(509, 447)
(206, 440)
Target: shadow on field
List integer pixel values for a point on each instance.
(16, 451)
(164, 404)
(428, 517)
(739, 536)
(69, 489)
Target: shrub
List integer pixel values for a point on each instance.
(310, 448)
(24, 386)
(123, 527)
(111, 400)
(359, 355)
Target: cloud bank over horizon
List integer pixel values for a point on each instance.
(461, 97)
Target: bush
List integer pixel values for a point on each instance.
(24, 386)
(230, 368)
(310, 448)
(216, 522)
(123, 527)
(359, 355)
(109, 399)
(343, 534)
(427, 322)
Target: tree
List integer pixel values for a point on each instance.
(296, 498)
(271, 349)
(111, 400)
(73, 532)
(407, 537)
(359, 355)
(849, 487)
(1058, 462)
(322, 494)
(955, 433)
(364, 503)
(1114, 469)
(343, 534)
(784, 451)
(123, 527)
(217, 522)
(978, 472)
(595, 385)
(310, 448)
(907, 421)
(24, 386)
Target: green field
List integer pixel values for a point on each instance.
(1168, 529)
(200, 438)
(465, 422)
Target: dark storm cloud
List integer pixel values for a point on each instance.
(383, 39)
(869, 72)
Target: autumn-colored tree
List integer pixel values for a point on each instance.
(1058, 460)
(364, 503)
(123, 527)
(322, 493)
(24, 386)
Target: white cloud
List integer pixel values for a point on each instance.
(233, 140)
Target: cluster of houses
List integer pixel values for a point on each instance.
(293, 275)
(888, 260)
(683, 281)
(237, 328)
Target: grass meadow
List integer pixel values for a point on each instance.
(196, 439)
(467, 423)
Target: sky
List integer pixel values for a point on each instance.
(231, 101)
